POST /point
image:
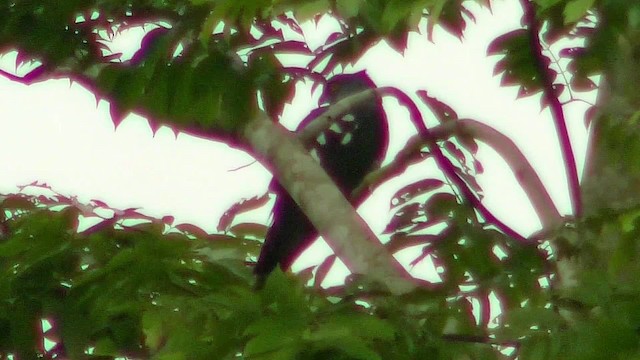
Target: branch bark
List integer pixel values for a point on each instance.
(329, 211)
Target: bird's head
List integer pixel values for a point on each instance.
(341, 86)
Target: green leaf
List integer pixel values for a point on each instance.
(365, 326)
(395, 12)
(576, 10)
(545, 4)
(272, 336)
(356, 348)
(309, 9)
(530, 320)
(152, 326)
(348, 8)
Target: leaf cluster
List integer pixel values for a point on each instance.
(145, 292)
(208, 65)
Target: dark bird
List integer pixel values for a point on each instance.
(348, 150)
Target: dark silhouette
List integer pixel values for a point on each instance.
(348, 151)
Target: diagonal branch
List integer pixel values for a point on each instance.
(333, 113)
(520, 166)
(522, 169)
(449, 169)
(326, 207)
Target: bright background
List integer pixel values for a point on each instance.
(57, 132)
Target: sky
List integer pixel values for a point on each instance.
(57, 132)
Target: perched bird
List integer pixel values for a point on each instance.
(348, 150)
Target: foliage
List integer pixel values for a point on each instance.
(147, 292)
(143, 288)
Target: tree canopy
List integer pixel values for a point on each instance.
(133, 286)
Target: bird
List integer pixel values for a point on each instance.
(348, 150)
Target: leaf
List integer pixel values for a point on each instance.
(366, 326)
(350, 333)
(518, 67)
(168, 219)
(451, 17)
(501, 44)
(249, 229)
(17, 201)
(520, 321)
(153, 328)
(401, 241)
(310, 9)
(348, 8)
(468, 142)
(572, 53)
(272, 335)
(208, 25)
(576, 10)
(581, 83)
(440, 205)
(477, 165)
(394, 13)
(441, 110)
(454, 151)
(356, 349)
(404, 217)
(193, 230)
(416, 189)
(238, 208)
(545, 4)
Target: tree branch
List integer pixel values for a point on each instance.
(449, 169)
(324, 121)
(329, 211)
(522, 169)
(554, 103)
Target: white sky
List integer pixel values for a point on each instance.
(54, 133)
